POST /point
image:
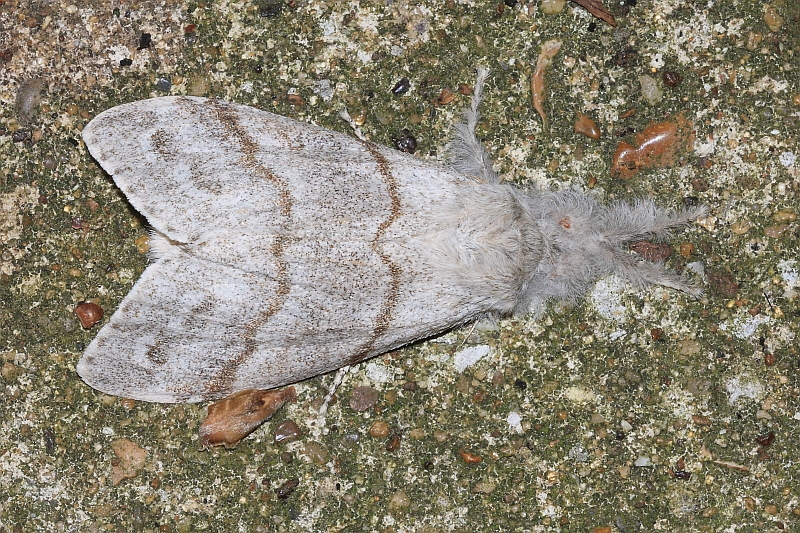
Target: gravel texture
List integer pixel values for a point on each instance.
(631, 411)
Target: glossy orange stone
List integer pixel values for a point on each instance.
(658, 146)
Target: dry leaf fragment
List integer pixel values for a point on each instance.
(732, 465)
(549, 50)
(596, 8)
(235, 417)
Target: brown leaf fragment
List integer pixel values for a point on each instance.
(596, 8)
(235, 417)
(129, 461)
(549, 51)
(731, 465)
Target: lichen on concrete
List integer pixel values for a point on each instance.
(656, 413)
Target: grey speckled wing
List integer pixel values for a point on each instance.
(284, 250)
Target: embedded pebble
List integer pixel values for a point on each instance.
(586, 126)
(401, 87)
(379, 429)
(643, 461)
(784, 216)
(740, 227)
(287, 431)
(700, 387)
(470, 458)
(129, 462)
(316, 453)
(393, 442)
(10, 372)
(671, 79)
(362, 398)
(776, 231)
(650, 89)
(553, 7)
(29, 95)
(723, 283)
(142, 244)
(657, 253)
(772, 18)
(287, 488)
(88, 314)
(689, 347)
(484, 487)
(399, 501)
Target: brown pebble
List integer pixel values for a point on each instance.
(657, 253)
(687, 249)
(701, 420)
(796, 101)
(586, 126)
(288, 487)
(749, 504)
(470, 458)
(602, 529)
(379, 429)
(88, 314)
(671, 78)
(287, 431)
(129, 461)
(776, 231)
(393, 442)
(142, 244)
(127, 403)
(770, 359)
(295, 100)
(362, 398)
(10, 372)
(784, 215)
(235, 417)
(445, 97)
(723, 284)
(771, 509)
(766, 439)
(466, 90)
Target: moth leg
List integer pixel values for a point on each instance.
(323, 409)
(466, 153)
(352, 123)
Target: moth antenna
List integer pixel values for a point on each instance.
(466, 153)
(642, 273)
(625, 222)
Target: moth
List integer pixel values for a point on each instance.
(282, 250)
